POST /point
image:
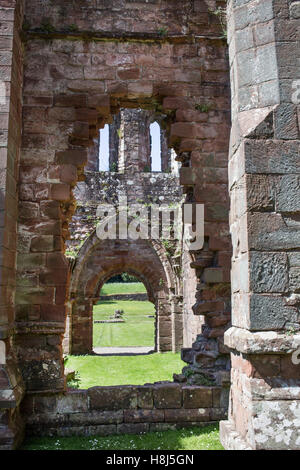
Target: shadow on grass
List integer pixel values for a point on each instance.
(94, 353)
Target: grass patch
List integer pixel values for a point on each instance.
(138, 329)
(123, 288)
(125, 370)
(196, 438)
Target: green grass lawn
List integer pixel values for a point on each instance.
(196, 438)
(138, 329)
(125, 370)
(123, 288)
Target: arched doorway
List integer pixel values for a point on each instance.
(124, 318)
(97, 262)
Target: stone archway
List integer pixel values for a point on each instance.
(97, 261)
(78, 108)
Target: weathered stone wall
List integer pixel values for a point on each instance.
(83, 63)
(129, 152)
(264, 218)
(11, 79)
(124, 409)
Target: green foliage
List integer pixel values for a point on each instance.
(146, 169)
(71, 253)
(198, 377)
(72, 28)
(162, 32)
(194, 438)
(122, 279)
(168, 246)
(120, 133)
(75, 381)
(26, 25)
(204, 108)
(46, 26)
(221, 14)
(291, 330)
(114, 167)
(128, 278)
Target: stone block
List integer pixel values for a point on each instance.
(267, 157)
(113, 398)
(93, 418)
(72, 100)
(73, 402)
(187, 415)
(285, 122)
(268, 272)
(145, 397)
(197, 397)
(288, 194)
(278, 433)
(294, 279)
(167, 396)
(269, 312)
(71, 157)
(143, 416)
(132, 428)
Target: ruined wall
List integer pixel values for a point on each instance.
(129, 155)
(11, 78)
(97, 261)
(107, 188)
(82, 63)
(123, 409)
(264, 218)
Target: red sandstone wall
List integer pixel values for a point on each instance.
(71, 88)
(73, 85)
(11, 75)
(123, 409)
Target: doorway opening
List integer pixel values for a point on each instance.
(123, 317)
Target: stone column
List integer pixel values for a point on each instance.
(115, 134)
(135, 125)
(177, 324)
(166, 152)
(82, 327)
(164, 325)
(93, 156)
(264, 172)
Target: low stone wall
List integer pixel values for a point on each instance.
(140, 296)
(124, 409)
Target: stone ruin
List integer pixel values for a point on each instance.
(229, 103)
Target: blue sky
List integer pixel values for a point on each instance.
(155, 151)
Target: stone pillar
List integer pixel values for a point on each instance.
(264, 174)
(164, 326)
(115, 134)
(166, 152)
(135, 128)
(177, 324)
(93, 156)
(11, 73)
(82, 327)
